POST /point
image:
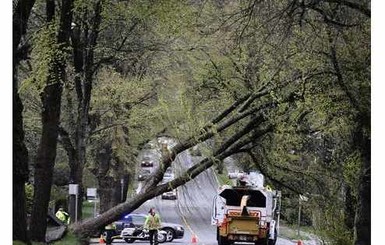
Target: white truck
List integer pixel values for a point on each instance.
(247, 212)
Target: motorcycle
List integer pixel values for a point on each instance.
(130, 234)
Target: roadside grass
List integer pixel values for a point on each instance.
(291, 232)
(88, 209)
(68, 239)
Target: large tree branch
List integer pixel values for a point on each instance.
(89, 226)
(267, 175)
(359, 7)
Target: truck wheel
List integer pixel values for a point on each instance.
(273, 241)
(261, 242)
(223, 240)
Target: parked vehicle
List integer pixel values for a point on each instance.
(235, 174)
(174, 231)
(144, 174)
(147, 162)
(248, 212)
(172, 195)
(168, 175)
(131, 234)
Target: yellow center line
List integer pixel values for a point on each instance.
(189, 227)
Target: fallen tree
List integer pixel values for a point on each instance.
(242, 112)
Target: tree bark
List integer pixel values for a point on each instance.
(350, 207)
(20, 18)
(20, 172)
(51, 101)
(109, 187)
(362, 221)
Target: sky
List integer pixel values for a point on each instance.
(378, 114)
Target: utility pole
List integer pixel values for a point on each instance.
(300, 200)
(121, 187)
(299, 215)
(73, 191)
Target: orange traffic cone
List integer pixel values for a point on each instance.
(299, 242)
(101, 240)
(193, 239)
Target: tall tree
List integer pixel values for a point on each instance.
(328, 43)
(84, 35)
(21, 13)
(56, 41)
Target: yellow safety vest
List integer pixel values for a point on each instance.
(110, 227)
(63, 216)
(152, 222)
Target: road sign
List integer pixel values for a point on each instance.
(73, 189)
(91, 193)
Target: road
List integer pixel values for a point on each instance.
(192, 209)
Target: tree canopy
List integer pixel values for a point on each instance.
(283, 85)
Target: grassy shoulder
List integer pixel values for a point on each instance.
(290, 232)
(88, 209)
(68, 239)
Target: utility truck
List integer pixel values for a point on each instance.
(247, 212)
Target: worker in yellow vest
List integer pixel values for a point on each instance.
(152, 224)
(63, 216)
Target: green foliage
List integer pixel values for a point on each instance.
(174, 65)
(351, 170)
(18, 243)
(59, 196)
(46, 53)
(124, 118)
(329, 224)
(68, 239)
(224, 179)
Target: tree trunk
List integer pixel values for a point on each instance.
(109, 192)
(20, 170)
(350, 207)
(21, 14)
(51, 101)
(83, 44)
(363, 213)
(109, 188)
(127, 179)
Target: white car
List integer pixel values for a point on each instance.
(168, 175)
(234, 175)
(172, 195)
